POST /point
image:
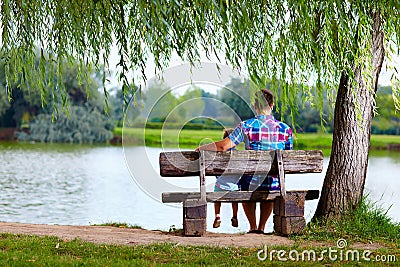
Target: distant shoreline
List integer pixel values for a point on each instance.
(192, 138)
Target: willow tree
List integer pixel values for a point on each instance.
(338, 45)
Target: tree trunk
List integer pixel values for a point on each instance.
(345, 177)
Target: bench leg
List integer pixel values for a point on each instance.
(194, 217)
(289, 214)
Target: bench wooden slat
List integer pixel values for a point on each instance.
(239, 162)
(185, 163)
(235, 196)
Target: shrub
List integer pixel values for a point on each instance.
(83, 124)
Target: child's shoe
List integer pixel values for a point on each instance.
(217, 222)
(235, 222)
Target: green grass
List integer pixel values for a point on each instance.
(368, 223)
(24, 250)
(193, 138)
(168, 137)
(381, 141)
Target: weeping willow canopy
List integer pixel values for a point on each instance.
(288, 42)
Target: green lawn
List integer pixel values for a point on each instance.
(369, 225)
(25, 250)
(193, 138)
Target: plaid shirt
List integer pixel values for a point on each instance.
(263, 132)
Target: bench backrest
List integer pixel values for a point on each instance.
(205, 163)
(186, 163)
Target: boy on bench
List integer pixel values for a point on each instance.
(263, 132)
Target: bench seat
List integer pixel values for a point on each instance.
(236, 196)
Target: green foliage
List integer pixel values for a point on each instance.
(171, 137)
(17, 105)
(192, 138)
(367, 223)
(82, 121)
(27, 250)
(210, 109)
(286, 41)
(22, 250)
(116, 101)
(176, 125)
(4, 103)
(160, 106)
(387, 119)
(171, 111)
(158, 102)
(25, 103)
(237, 95)
(83, 124)
(191, 102)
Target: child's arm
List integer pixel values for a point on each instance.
(222, 145)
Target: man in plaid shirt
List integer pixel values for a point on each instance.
(263, 132)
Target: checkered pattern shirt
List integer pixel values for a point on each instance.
(263, 132)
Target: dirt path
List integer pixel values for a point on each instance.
(126, 236)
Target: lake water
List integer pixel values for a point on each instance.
(82, 185)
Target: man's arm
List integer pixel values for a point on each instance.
(222, 145)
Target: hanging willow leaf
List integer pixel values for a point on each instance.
(288, 41)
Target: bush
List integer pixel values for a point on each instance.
(83, 124)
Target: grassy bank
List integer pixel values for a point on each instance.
(24, 250)
(192, 138)
(367, 225)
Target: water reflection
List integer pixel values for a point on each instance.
(41, 185)
(83, 185)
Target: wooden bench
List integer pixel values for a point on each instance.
(288, 205)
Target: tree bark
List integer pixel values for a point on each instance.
(345, 177)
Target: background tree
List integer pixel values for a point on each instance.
(85, 121)
(158, 102)
(191, 103)
(338, 43)
(210, 108)
(18, 104)
(388, 119)
(4, 103)
(236, 95)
